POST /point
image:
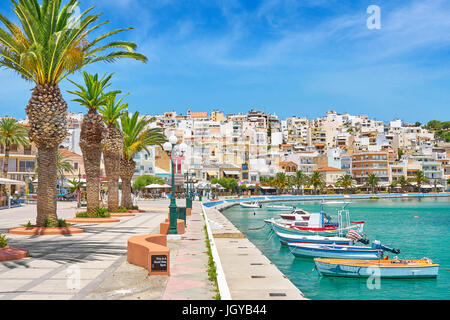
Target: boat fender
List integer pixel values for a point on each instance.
(386, 258)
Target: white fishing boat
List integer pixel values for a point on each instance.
(296, 215)
(251, 205)
(280, 208)
(424, 268)
(290, 238)
(319, 224)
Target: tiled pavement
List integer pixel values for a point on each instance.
(73, 267)
(189, 276)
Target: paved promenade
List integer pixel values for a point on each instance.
(93, 265)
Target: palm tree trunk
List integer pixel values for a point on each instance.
(92, 159)
(112, 168)
(47, 114)
(47, 186)
(127, 168)
(92, 141)
(111, 156)
(6, 161)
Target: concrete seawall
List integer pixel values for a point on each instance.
(248, 273)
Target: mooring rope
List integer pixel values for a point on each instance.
(306, 273)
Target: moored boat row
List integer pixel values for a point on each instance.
(334, 247)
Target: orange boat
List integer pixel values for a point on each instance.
(424, 268)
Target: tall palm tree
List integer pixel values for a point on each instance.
(136, 138)
(347, 182)
(112, 151)
(280, 181)
(403, 182)
(420, 179)
(50, 42)
(301, 180)
(291, 182)
(317, 180)
(12, 133)
(93, 134)
(373, 181)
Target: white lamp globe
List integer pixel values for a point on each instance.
(183, 147)
(173, 140)
(167, 146)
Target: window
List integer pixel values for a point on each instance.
(26, 166)
(75, 165)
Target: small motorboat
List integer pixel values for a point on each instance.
(297, 215)
(424, 268)
(314, 226)
(334, 251)
(251, 205)
(287, 239)
(280, 208)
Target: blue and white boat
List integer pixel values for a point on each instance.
(334, 251)
(302, 239)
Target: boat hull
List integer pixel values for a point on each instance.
(334, 252)
(281, 208)
(362, 269)
(286, 239)
(282, 229)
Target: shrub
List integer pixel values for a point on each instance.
(28, 225)
(100, 213)
(358, 191)
(50, 224)
(122, 210)
(3, 241)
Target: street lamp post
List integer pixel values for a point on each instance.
(170, 148)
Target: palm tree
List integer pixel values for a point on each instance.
(372, 181)
(12, 133)
(136, 138)
(280, 181)
(403, 182)
(112, 151)
(49, 43)
(291, 182)
(301, 180)
(347, 182)
(93, 133)
(76, 186)
(420, 179)
(316, 180)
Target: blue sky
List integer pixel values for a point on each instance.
(289, 57)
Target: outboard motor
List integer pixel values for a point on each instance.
(355, 236)
(377, 245)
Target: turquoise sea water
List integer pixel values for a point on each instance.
(392, 222)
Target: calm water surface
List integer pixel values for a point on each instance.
(392, 222)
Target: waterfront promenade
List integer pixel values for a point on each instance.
(92, 265)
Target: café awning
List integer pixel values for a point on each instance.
(11, 182)
(212, 173)
(231, 173)
(158, 186)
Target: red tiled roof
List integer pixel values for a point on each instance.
(69, 154)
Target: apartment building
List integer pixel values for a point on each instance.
(371, 162)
